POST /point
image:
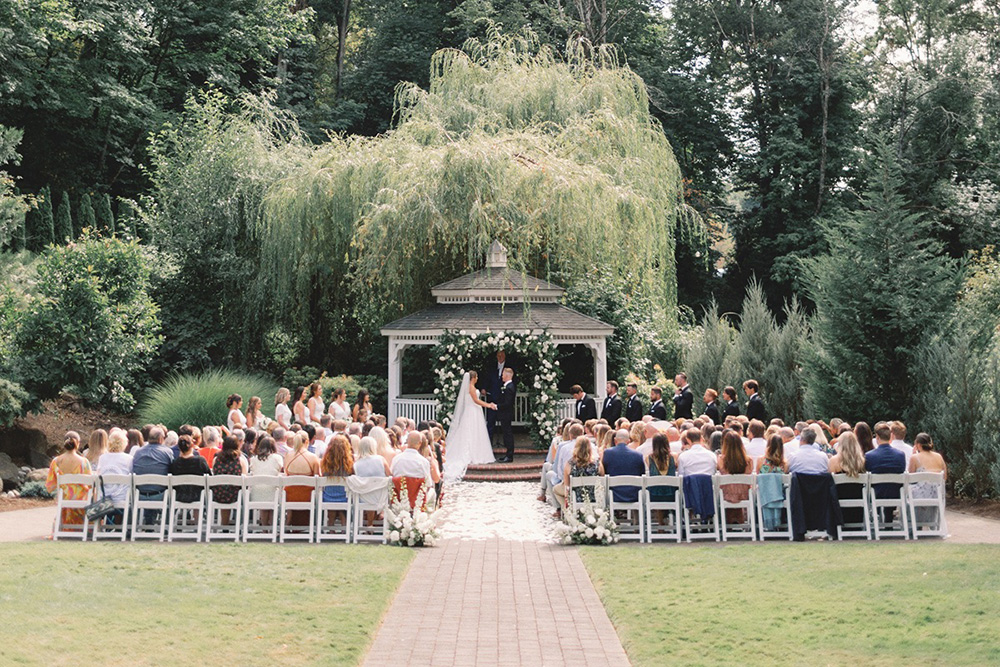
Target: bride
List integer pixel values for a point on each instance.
(468, 441)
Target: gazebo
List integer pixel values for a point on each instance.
(494, 299)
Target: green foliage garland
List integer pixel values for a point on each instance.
(456, 350)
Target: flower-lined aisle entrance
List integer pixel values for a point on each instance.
(493, 510)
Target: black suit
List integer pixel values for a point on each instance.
(658, 410)
(612, 409)
(633, 409)
(505, 415)
(586, 409)
(712, 411)
(732, 409)
(683, 403)
(491, 380)
(755, 408)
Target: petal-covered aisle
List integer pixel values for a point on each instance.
(487, 510)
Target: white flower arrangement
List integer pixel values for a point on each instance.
(416, 527)
(588, 525)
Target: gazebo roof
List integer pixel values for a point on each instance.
(480, 317)
(502, 279)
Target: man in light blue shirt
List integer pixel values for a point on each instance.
(555, 476)
(810, 459)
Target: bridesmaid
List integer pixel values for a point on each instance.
(315, 404)
(282, 413)
(235, 419)
(255, 418)
(361, 404)
(299, 408)
(339, 409)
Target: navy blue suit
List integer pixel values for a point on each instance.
(633, 408)
(620, 460)
(886, 460)
(491, 381)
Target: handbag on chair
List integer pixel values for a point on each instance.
(101, 508)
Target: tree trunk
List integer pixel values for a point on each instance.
(342, 26)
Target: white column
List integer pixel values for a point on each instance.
(600, 351)
(395, 376)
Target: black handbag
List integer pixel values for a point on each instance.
(101, 508)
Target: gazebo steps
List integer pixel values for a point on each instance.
(503, 477)
(517, 465)
(526, 467)
(520, 451)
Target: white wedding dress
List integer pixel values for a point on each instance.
(468, 440)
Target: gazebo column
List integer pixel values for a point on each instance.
(396, 350)
(599, 349)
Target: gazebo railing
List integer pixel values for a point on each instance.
(423, 407)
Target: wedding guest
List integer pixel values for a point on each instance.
(363, 407)
(412, 465)
(774, 459)
(898, 440)
(170, 442)
(850, 460)
(661, 462)
(339, 407)
(265, 462)
(637, 435)
(235, 419)
(603, 436)
(300, 411)
(582, 464)
(96, 446)
(884, 459)
(211, 445)
(70, 462)
(188, 463)
(153, 459)
(135, 440)
(249, 443)
(789, 442)
(715, 442)
(620, 460)
(734, 460)
(696, 460)
(428, 453)
(255, 418)
(282, 413)
(556, 482)
(300, 461)
(925, 459)
(338, 461)
(116, 462)
(757, 447)
(810, 459)
(229, 461)
(865, 438)
(370, 463)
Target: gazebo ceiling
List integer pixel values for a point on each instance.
(478, 317)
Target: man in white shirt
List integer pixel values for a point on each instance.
(788, 439)
(674, 438)
(810, 459)
(411, 463)
(756, 446)
(646, 448)
(898, 430)
(697, 460)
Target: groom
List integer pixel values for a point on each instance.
(505, 412)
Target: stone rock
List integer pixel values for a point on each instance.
(9, 473)
(38, 475)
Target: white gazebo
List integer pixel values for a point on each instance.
(494, 299)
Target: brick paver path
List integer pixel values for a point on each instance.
(497, 602)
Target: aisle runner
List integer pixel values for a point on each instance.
(484, 510)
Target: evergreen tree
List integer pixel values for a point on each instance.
(29, 229)
(84, 215)
(64, 221)
(877, 293)
(104, 217)
(17, 237)
(41, 234)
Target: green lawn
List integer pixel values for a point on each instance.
(225, 604)
(827, 604)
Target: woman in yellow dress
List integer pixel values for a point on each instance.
(69, 463)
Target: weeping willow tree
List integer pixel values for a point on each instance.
(558, 158)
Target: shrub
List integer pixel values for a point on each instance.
(200, 398)
(13, 402)
(35, 490)
(93, 329)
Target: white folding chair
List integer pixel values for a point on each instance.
(325, 529)
(628, 529)
(594, 488)
(268, 488)
(186, 517)
(704, 530)
(748, 528)
(102, 527)
(214, 525)
(900, 525)
(854, 529)
(376, 531)
(658, 483)
(784, 527)
(146, 506)
(64, 503)
(926, 512)
(294, 532)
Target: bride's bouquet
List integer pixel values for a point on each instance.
(416, 527)
(588, 526)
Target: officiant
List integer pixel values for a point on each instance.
(493, 386)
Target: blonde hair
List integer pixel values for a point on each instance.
(852, 460)
(97, 444)
(301, 441)
(282, 396)
(382, 445)
(638, 432)
(117, 441)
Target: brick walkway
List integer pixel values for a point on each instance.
(496, 602)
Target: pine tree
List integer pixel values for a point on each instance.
(63, 221)
(29, 231)
(877, 293)
(17, 234)
(105, 219)
(41, 236)
(84, 215)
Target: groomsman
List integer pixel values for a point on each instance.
(612, 409)
(683, 398)
(585, 406)
(732, 407)
(755, 406)
(657, 409)
(711, 408)
(633, 405)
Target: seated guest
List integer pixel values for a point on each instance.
(152, 459)
(229, 461)
(265, 462)
(863, 432)
(637, 435)
(733, 460)
(925, 459)
(821, 441)
(412, 465)
(696, 460)
(851, 462)
(789, 443)
(582, 464)
(188, 464)
(338, 461)
(715, 442)
(370, 463)
(884, 459)
(383, 444)
(428, 453)
(773, 460)
(555, 476)
(280, 436)
(770, 483)
(757, 447)
(70, 462)
(650, 429)
(96, 446)
(135, 441)
(116, 462)
(661, 462)
(620, 460)
(210, 446)
(898, 431)
(810, 459)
